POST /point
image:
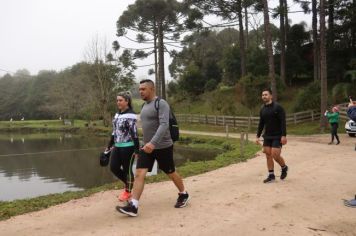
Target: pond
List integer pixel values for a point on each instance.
(38, 164)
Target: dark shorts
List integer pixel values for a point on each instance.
(164, 159)
(273, 143)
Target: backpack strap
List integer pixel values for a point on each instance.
(157, 104)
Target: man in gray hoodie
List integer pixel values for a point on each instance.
(158, 145)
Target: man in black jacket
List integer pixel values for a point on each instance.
(273, 121)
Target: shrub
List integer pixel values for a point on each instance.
(340, 92)
(251, 87)
(309, 98)
(211, 85)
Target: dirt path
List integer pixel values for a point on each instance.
(228, 201)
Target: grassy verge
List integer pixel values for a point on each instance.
(207, 128)
(308, 128)
(98, 128)
(230, 155)
(36, 126)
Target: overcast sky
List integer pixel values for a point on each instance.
(53, 34)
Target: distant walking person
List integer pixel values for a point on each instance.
(333, 118)
(273, 121)
(158, 145)
(124, 143)
(351, 110)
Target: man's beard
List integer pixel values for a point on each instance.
(266, 101)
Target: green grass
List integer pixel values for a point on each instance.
(229, 97)
(30, 136)
(207, 128)
(308, 128)
(36, 126)
(137, 104)
(79, 126)
(33, 126)
(203, 104)
(45, 123)
(230, 155)
(32, 123)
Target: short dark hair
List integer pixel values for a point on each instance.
(147, 81)
(268, 90)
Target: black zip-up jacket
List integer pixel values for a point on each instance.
(273, 120)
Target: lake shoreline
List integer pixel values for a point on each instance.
(41, 126)
(231, 154)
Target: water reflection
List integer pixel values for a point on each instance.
(56, 163)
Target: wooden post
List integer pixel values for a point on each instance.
(242, 143)
(206, 119)
(249, 124)
(295, 118)
(216, 120)
(227, 131)
(312, 115)
(234, 121)
(224, 120)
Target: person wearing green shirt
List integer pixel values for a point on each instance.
(333, 118)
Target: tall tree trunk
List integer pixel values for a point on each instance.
(315, 40)
(353, 29)
(285, 4)
(241, 39)
(100, 74)
(105, 113)
(323, 65)
(330, 35)
(283, 42)
(268, 42)
(246, 27)
(157, 80)
(161, 60)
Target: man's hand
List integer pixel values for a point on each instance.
(351, 104)
(258, 141)
(284, 140)
(148, 148)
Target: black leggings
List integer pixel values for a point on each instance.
(121, 161)
(334, 127)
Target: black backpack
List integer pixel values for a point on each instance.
(173, 124)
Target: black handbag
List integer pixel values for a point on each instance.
(104, 158)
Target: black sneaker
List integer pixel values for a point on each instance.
(129, 210)
(182, 200)
(284, 172)
(270, 179)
